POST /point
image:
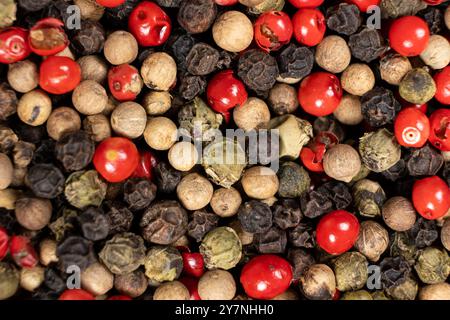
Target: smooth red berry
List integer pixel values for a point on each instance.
(193, 264)
(76, 294)
(110, 3)
(273, 29)
(147, 162)
(14, 45)
(119, 297)
(309, 26)
(431, 197)
(412, 128)
(306, 3)
(4, 242)
(409, 35)
(442, 80)
(192, 285)
(23, 252)
(116, 159)
(125, 82)
(337, 232)
(224, 92)
(149, 24)
(364, 5)
(266, 276)
(320, 93)
(440, 129)
(59, 75)
(312, 159)
(433, 2)
(47, 37)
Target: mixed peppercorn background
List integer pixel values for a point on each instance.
(93, 175)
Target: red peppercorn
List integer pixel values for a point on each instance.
(226, 2)
(192, 285)
(147, 162)
(149, 24)
(409, 35)
(337, 232)
(14, 45)
(412, 128)
(431, 197)
(442, 80)
(116, 159)
(312, 158)
(440, 129)
(124, 82)
(309, 26)
(306, 3)
(363, 5)
(266, 276)
(23, 252)
(110, 3)
(433, 2)
(59, 75)
(273, 29)
(47, 37)
(119, 297)
(193, 264)
(337, 295)
(224, 92)
(76, 294)
(320, 93)
(4, 243)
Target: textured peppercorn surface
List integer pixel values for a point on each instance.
(258, 70)
(295, 62)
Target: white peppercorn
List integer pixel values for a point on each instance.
(157, 102)
(399, 214)
(260, 182)
(217, 285)
(194, 191)
(6, 171)
(437, 53)
(34, 107)
(225, 202)
(183, 156)
(233, 31)
(61, 121)
(32, 278)
(342, 162)
(173, 290)
(120, 47)
(97, 279)
(393, 67)
(253, 114)
(89, 97)
(159, 71)
(93, 68)
(129, 120)
(97, 126)
(160, 133)
(358, 79)
(333, 54)
(47, 252)
(33, 213)
(23, 76)
(90, 9)
(348, 111)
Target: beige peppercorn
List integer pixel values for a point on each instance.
(6, 171)
(358, 79)
(194, 191)
(225, 202)
(131, 284)
(251, 3)
(399, 214)
(157, 102)
(32, 278)
(217, 285)
(8, 198)
(333, 54)
(342, 162)
(245, 237)
(183, 156)
(393, 67)
(253, 114)
(61, 121)
(33, 213)
(233, 31)
(97, 279)
(438, 291)
(93, 68)
(260, 182)
(98, 126)
(318, 282)
(160, 133)
(159, 71)
(34, 107)
(173, 290)
(19, 176)
(90, 9)
(437, 53)
(47, 252)
(283, 99)
(120, 47)
(23, 76)
(129, 119)
(289, 294)
(447, 17)
(89, 97)
(348, 111)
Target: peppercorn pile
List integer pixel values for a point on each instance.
(113, 174)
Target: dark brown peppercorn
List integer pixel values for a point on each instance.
(120, 217)
(295, 62)
(45, 180)
(379, 106)
(328, 124)
(294, 180)
(394, 271)
(303, 236)
(258, 70)
(395, 172)
(255, 216)
(45, 153)
(54, 281)
(167, 178)
(273, 241)
(75, 150)
(164, 222)
(300, 261)
(7, 139)
(33, 5)
(202, 222)
(425, 161)
(202, 59)
(89, 39)
(367, 45)
(23, 154)
(94, 224)
(344, 18)
(29, 133)
(424, 233)
(76, 251)
(196, 16)
(286, 213)
(191, 86)
(434, 18)
(8, 101)
(139, 193)
(179, 45)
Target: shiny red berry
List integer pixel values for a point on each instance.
(4, 242)
(224, 92)
(337, 232)
(306, 3)
(47, 37)
(125, 82)
(320, 93)
(149, 24)
(412, 128)
(440, 129)
(193, 264)
(147, 162)
(431, 197)
(309, 26)
(266, 276)
(192, 285)
(14, 45)
(23, 252)
(409, 35)
(273, 29)
(433, 2)
(59, 75)
(442, 80)
(363, 5)
(312, 159)
(76, 294)
(110, 3)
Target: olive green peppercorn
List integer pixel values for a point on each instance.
(85, 188)
(9, 280)
(350, 270)
(294, 180)
(433, 265)
(368, 197)
(417, 86)
(221, 248)
(357, 295)
(163, 263)
(407, 290)
(379, 150)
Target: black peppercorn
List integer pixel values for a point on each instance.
(120, 217)
(395, 172)
(202, 59)
(8, 101)
(273, 241)
(191, 86)
(139, 193)
(89, 39)
(29, 133)
(179, 45)
(75, 251)
(255, 216)
(45, 180)
(33, 5)
(394, 271)
(434, 18)
(23, 154)
(303, 236)
(167, 178)
(425, 161)
(295, 62)
(45, 152)
(75, 150)
(202, 222)
(196, 16)
(287, 213)
(258, 70)
(300, 261)
(7, 220)
(424, 233)
(94, 224)
(367, 45)
(379, 106)
(344, 18)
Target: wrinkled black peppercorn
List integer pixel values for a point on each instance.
(394, 271)
(54, 281)
(425, 161)
(45, 152)
(300, 261)
(258, 70)
(379, 106)
(367, 45)
(179, 45)
(120, 217)
(295, 62)
(139, 193)
(434, 18)
(76, 251)
(196, 16)
(344, 18)
(255, 216)
(287, 213)
(191, 86)
(7, 219)
(395, 172)
(424, 233)
(94, 224)
(75, 150)
(202, 222)
(273, 240)
(45, 180)
(303, 236)
(202, 59)
(29, 133)
(89, 39)
(167, 178)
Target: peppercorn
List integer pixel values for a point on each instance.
(217, 285)
(85, 188)
(64, 224)
(47, 252)
(160, 133)
(445, 234)
(61, 121)
(139, 193)
(425, 161)
(202, 59)
(55, 280)
(159, 71)
(8, 198)
(221, 248)
(266, 6)
(417, 86)
(194, 191)
(368, 198)
(31, 279)
(8, 101)
(34, 108)
(202, 222)
(344, 18)
(94, 224)
(273, 241)
(373, 240)
(129, 119)
(424, 233)
(437, 53)
(9, 280)
(93, 67)
(253, 114)
(164, 222)
(6, 171)
(300, 260)
(350, 270)
(23, 153)
(183, 156)
(90, 10)
(89, 39)
(379, 107)
(357, 295)
(75, 150)
(358, 79)
(120, 47)
(97, 279)
(294, 180)
(379, 150)
(398, 8)
(255, 216)
(318, 282)
(438, 291)
(8, 9)
(23, 76)
(163, 264)
(245, 237)
(45, 180)
(367, 45)
(132, 284)
(302, 236)
(167, 178)
(89, 97)
(341, 162)
(225, 202)
(393, 67)
(333, 54)
(233, 31)
(433, 265)
(169, 3)
(447, 17)
(258, 70)
(289, 294)
(75, 250)
(33, 213)
(287, 213)
(260, 182)
(98, 127)
(295, 63)
(348, 111)
(157, 102)
(283, 99)
(173, 290)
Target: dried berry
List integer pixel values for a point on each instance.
(272, 241)
(75, 150)
(368, 198)
(32, 5)
(303, 236)
(45, 180)
(255, 216)
(94, 224)
(295, 63)
(169, 3)
(394, 271)
(85, 188)
(119, 15)
(196, 16)
(89, 39)
(350, 270)
(395, 172)
(373, 240)
(417, 86)
(167, 178)
(8, 101)
(433, 265)
(23, 153)
(425, 161)
(258, 70)
(434, 19)
(201, 223)
(379, 150)
(424, 233)
(221, 248)
(300, 261)
(398, 8)
(202, 59)
(294, 180)
(120, 217)
(179, 45)
(54, 281)
(287, 213)
(139, 193)
(344, 18)
(191, 86)
(76, 251)
(163, 264)
(379, 106)
(367, 45)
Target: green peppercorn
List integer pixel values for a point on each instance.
(9, 280)
(85, 188)
(357, 295)
(350, 270)
(163, 264)
(433, 265)
(379, 150)
(293, 180)
(417, 86)
(221, 248)
(407, 290)
(368, 198)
